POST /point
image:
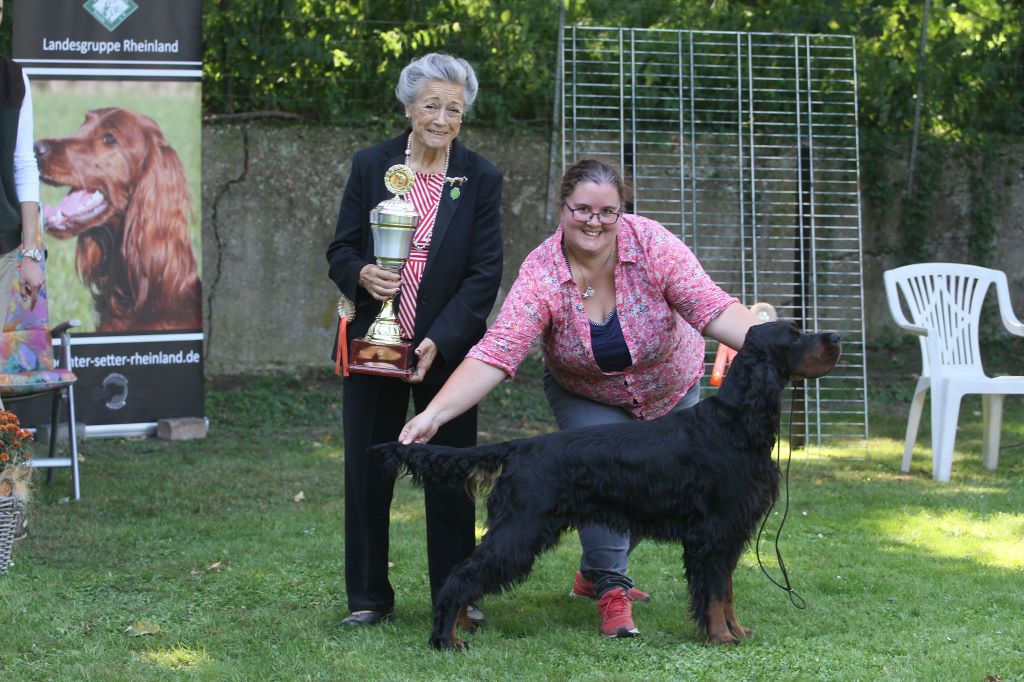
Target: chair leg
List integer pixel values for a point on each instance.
(992, 416)
(54, 424)
(913, 424)
(944, 421)
(73, 443)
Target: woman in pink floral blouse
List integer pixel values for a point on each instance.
(620, 305)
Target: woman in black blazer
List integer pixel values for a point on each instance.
(448, 287)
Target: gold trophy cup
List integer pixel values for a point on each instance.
(393, 222)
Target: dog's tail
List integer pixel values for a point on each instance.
(474, 467)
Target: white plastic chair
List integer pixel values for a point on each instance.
(945, 300)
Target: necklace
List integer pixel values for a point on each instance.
(444, 173)
(589, 290)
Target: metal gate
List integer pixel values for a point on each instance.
(746, 145)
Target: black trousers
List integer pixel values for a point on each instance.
(374, 411)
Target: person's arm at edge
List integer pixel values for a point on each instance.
(471, 381)
(26, 178)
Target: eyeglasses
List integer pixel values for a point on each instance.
(604, 217)
(432, 110)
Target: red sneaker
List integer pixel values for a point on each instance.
(616, 614)
(586, 588)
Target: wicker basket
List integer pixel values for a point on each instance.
(10, 508)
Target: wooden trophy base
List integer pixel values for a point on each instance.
(382, 359)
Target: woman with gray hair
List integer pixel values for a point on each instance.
(445, 292)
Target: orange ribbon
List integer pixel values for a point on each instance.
(341, 356)
(723, 359)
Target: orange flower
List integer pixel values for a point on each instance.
(15, 442)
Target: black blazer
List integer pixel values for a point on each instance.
(463, 268)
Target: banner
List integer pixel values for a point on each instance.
(116, 89)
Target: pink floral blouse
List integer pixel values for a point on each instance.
(664, 300)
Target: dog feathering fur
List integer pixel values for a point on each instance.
(702, 476)
(129, 206)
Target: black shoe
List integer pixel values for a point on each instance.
(475, 615)
(363, 618)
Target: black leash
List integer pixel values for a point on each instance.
(794, 596)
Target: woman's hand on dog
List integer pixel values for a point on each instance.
(382, 284)
(30, 280)
(420, 428)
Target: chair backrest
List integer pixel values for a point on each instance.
(25, 344)
(945, 299)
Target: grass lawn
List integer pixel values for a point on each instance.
(204, 550)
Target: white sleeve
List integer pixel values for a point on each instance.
(26, 172)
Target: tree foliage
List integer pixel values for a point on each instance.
(337, 60)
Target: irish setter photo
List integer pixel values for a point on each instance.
(130, 207)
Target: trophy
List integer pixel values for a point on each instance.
(393, 222)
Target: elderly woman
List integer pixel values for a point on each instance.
(620, 305)
(446, 291)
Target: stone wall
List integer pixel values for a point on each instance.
(270, 202)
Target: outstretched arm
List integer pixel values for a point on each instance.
(731, 325)
(468, 385)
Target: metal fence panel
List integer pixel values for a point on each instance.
(746, 145)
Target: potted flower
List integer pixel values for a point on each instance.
(15, 476)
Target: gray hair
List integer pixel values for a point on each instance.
(435, 66)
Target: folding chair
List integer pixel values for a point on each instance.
(27, 370)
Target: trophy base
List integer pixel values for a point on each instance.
(382, 359)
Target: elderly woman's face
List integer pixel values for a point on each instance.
(437, 113)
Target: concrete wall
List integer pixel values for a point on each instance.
(270, 201)
(948, 233)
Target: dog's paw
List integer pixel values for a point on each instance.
(740, 631)
(447, 644)
(725, 638)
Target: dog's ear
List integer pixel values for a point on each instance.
(762, 393)
(156, 243)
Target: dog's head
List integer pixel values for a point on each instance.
(102, 163)
(797, 355)
(773, 353)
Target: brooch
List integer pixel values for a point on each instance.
(456, 183)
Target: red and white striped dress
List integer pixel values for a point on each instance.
(426, 197)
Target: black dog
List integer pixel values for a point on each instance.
(703, 476)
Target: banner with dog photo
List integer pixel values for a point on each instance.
(116, 88)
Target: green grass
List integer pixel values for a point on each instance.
(904, 578)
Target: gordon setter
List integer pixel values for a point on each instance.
(129, 206)
(702, 476)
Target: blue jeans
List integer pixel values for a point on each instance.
(605, 558)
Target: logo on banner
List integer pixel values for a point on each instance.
(110, 13)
